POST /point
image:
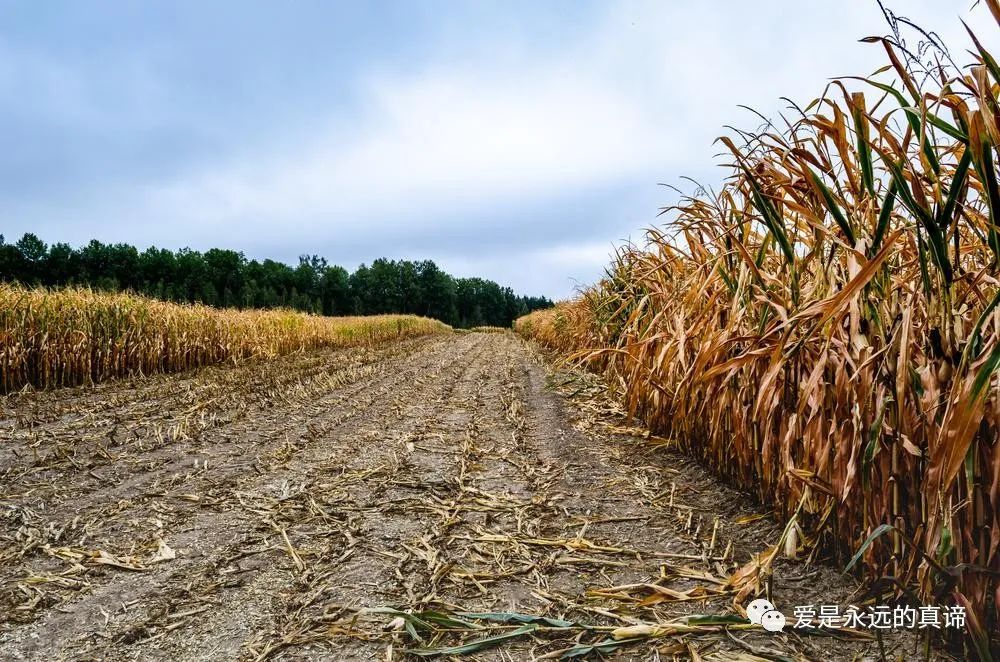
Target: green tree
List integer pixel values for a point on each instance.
(222, 277)
(33, 251)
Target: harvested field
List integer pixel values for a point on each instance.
(262, 511)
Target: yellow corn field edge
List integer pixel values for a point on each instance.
(824, 330)
(51, 338)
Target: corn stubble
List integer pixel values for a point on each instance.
(77, 336)
(825, 329)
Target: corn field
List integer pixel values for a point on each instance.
(824, 329)
(77, 336)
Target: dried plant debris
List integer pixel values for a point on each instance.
(823, 329)
(443, 496)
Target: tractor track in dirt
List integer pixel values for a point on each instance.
(261, 511)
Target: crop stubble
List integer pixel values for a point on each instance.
(262, 511)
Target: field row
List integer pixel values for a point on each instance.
(298, 508)
(77, 336)
(824, 330)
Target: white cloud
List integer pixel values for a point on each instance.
(638, 96)
(445, 140)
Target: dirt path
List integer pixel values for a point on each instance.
(263, 511)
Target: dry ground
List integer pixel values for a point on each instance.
(261, 511)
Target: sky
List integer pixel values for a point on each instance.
(518, 141)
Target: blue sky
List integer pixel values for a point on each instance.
(513, 140)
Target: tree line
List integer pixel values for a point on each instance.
(226, 278)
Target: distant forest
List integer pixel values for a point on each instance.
(226, 278)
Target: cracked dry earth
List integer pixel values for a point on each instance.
(264, 511)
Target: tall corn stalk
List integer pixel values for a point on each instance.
(76, 336)
(825, 330)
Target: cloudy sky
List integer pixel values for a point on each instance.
(513, 140)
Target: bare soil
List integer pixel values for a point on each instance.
(264, 511)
